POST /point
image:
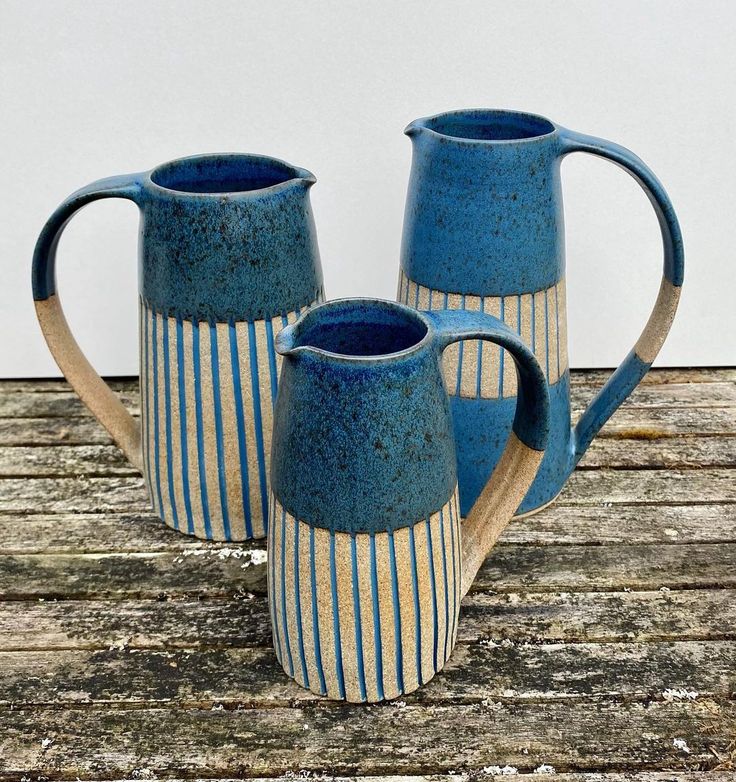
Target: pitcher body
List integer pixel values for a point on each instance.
(228, 256)
(366, 568)
(484, 231)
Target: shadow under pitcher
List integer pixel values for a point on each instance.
(367, 557)
(228, 256)
(484, 231)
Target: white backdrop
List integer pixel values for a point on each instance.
(93, 89)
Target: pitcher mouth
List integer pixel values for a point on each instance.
(358, 329)
(489, 125)
(226, 174)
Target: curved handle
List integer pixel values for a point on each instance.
(633, 368)
(94, 392)
(522, 456)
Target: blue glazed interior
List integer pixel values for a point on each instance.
(489, 125)
(361, 328)
(222, 174)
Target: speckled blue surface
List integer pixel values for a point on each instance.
(363, 437)
(484, 216)
(223, 237)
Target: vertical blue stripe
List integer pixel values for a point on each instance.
(501, 353)
(376, 618)
(416, 297)
(315, 616)
(357, 618)
(461, 345)
(557, 318)
(534, 326)
(298, 605)
(546, 331)
(433, 581)
(336, 620)
(287, 644)
(147, 413)
(156, 433)
(222, 478)
(167, 419)
(479, 367)
(455, 574)
(183, 426)
(240, 420)
(397, 612)
(271, 361)
(417, 612)
(447, 595)
(273, 594)
(255, 384)
(429, 303)
(200, 429)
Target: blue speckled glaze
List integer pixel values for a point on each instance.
(362, 437)
(223, 237)
(484, 218)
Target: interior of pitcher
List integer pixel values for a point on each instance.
(360, 328)
(489, 125)
(236, 173)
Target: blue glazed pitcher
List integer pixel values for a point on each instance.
(367, 557)
(483, 231)
(228, 256)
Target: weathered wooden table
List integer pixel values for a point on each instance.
(599, 637)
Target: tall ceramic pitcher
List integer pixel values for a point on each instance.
(368, 559)
(483, 231)
(228, 256)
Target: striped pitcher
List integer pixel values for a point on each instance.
(483, 231)
(367, 557)
(228, 257)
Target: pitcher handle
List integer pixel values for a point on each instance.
(633, 368)
(92, 389)
(518, 465)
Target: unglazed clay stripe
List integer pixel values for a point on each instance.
(481, 370)
(207, 397)
(368, 616)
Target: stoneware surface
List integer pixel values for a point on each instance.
(484, 231)
(228, 256)
(367, 558)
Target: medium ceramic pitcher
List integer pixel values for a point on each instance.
(483, 231)
(228, 256)
(368, 559)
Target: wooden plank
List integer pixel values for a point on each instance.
(594, 617)
(510, 568)
(62, 404)
(64, 460)
(661, 376)
(585, 487)
(674, 453)
(409, 739)
(50, 385)
(641, 424)
(559, 524)
(252, 677)
(651, 395)
(678, 452)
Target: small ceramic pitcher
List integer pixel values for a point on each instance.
(368, 559)
(484, 231)
(228, 256)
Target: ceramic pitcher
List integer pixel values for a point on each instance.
(483, 231)
(228, 256)
(367, 556)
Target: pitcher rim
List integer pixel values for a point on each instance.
(416, 316)
(422, 123)
(296, 174)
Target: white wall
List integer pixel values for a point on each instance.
(93, 89)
